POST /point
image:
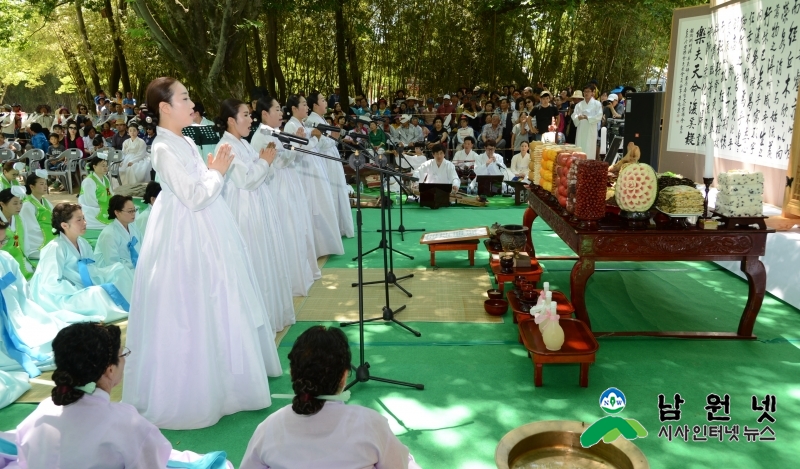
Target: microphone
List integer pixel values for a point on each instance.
(358, 135)
(282, 136)
(325, 127)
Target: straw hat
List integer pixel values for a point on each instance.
(578, 94)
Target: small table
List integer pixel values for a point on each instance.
(520, 191)
(579, 346)
(470, 245)
(564, 308)
(531, 274)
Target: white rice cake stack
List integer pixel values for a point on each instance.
(680, 200)
(740, 194)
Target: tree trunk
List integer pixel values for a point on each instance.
(75, 70)
(272, 58)
(113, 79)
(262, 77)
(118, 52)
(341, 53)
(249, 83)
(355, 72)
(89, 55)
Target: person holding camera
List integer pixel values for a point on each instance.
(612, 108)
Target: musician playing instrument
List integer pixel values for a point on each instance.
(438, 170)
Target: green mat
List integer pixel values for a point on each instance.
(479, 381)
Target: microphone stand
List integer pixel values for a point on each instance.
(362, 371)
(401, 229)
(389, 276)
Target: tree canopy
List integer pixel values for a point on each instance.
(223, 48)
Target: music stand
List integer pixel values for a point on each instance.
(201, 134)
(490, 185)
(434, 195)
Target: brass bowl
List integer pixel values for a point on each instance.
(556, 443)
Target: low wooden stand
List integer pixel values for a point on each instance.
(470, 246)
(579, 346)
(564, 308)
(531, 274)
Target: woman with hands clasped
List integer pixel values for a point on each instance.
(293, 207)
(254, 210)
(314, 176)
(196, 308)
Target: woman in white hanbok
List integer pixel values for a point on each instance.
(293, 208)
(317, 429)
(335, 171)
(314, 176)
(79, 426)
(36, 215)
(95, 192)
(197, 316)
(67, 277)
(135, 166)
(253, 209)
(120, 241)
(150, 193)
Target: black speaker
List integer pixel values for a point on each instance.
(643, 124)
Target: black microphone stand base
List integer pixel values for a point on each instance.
(388, 316)
(383, 245)
(391, 279)
(362, 376)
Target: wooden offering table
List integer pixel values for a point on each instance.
(531, 274)
(579, 346)
(468, 245)
(613, 240)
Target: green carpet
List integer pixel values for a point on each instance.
(479, 381)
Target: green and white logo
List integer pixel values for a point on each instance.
(609, 428)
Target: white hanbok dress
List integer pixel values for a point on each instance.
(28, 327)
(118, 245)
(314, 176)
(196, 323)
(295, 214)
(586, 136)
(339, 187)
(94, 433)
(484, 168)
(251, 203)
(62, 282)
(34, 235)
(134, 151)
(339, 436)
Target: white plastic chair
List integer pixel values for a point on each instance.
(6, 154)
(73, 160)
(114, 161)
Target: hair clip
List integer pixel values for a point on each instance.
(343, 397)
(55, 231)
(18, 191)
(149, 120)
(88, 388)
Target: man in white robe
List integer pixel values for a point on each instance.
(438, 170)
(487, 164)
(586, 116)
(466, 157)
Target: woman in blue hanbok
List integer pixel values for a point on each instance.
(292, 205)
(253, 209)
(36, 215)
(150, 193)
(67, 278)
(10, 206)
(314, 176)
(120, 241)
(335, 171)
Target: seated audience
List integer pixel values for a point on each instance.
(38, 138)
(493, 132)
(73, 139)
(95, 192)
(121, 136)
(135, 166)
(10, 206)
(521, 161)
(318, 429)
(10, 175)
(464, 130)
(437, 135)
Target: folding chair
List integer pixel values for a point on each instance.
(73, 160)
(114, 161)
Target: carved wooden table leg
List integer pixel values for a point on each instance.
(757, 280)
(537, 374)
(527, 220)
(581, 272)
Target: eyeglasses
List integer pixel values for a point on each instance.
(125, 352)
(133, 210)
